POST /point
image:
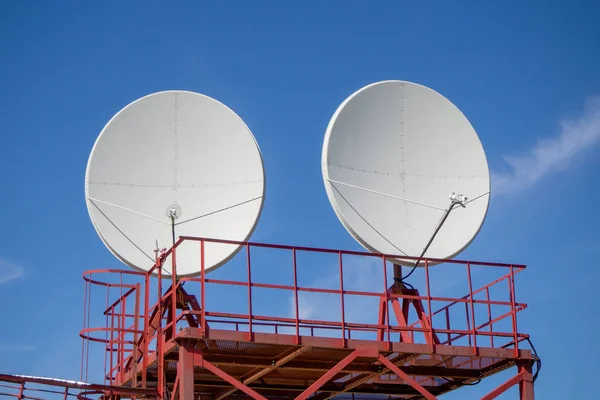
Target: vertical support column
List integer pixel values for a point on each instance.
(526, 384)
(185, 372)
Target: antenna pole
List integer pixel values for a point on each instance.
(173, 212)
(398, 284)
(173, 228)
(459, 200)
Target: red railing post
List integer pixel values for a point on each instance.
(387, 303)
(296, 296)
(120, 332)
(110, 344)
(174, 290)
(342, 299)
(105, 339)
(136, 325)
(430, 316)
(83, 340)
(513, 308)
(146, 338)
(468, 321)
(473, 329)
(159, 334)
(489, 304)
(447, 310)
(203, 289)
(249, 293)
(121, 336)
(87, 347)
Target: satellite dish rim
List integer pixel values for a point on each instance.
(328, 185)
(166, 269)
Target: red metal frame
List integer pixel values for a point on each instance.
(392, 360)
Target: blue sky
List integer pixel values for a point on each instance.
(525, 74)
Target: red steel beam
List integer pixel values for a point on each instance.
(230, 379)
(282, 359)
(174, 394)
(359, 380)
(406, 378)
(332, 372)
(201, 362)
(504, 387)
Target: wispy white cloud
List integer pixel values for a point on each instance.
(10, 270)
(551, 154)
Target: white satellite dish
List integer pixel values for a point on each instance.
(179, 157)
(397, 157)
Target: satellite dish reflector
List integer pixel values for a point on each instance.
(396, 156)
(178, 158)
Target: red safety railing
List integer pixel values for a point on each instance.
(23, 387)
(24, 391)
(141, 317)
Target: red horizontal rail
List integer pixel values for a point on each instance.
(77, 385)
(120, 299)
(343, 252)
(464, 299)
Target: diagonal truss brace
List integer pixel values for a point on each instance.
(255, 375)
(525, 380)
(406, 378)
(361, 379)
(362, 352)
(201, 362)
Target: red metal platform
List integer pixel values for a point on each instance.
(395, 342)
